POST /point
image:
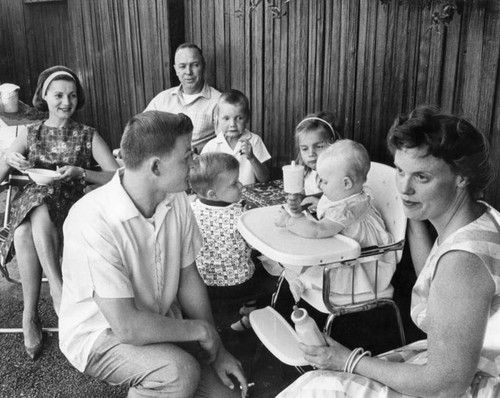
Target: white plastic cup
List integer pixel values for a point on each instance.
(10, 97)
(293, 178)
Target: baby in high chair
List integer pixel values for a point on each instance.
(344, 208)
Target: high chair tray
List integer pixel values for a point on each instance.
(258, 229)
(277, 335)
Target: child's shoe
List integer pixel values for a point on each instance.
(248, 307)
(242, 325)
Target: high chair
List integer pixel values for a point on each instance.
(382, 185)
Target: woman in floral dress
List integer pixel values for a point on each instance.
(443, 167)
(38, 211)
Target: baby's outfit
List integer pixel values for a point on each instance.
(363, 223)
(224, 259)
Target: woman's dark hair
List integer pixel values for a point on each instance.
(447, 137)
(38, 101)
(152, 133)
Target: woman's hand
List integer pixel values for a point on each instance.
(210, 343)
(17, 161)
(331, 357)
(71, 173)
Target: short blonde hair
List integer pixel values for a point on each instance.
(235, 98)
(354, 154)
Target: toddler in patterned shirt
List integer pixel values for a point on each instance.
(224, 261)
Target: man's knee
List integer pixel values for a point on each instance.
(176, 379)
(188, 375)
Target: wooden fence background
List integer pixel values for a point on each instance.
(120, 50)
(362, 60)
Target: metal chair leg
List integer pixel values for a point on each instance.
(398, 319)
(274, 297)
(327, 329)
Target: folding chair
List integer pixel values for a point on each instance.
(12, 184)
(14, 181)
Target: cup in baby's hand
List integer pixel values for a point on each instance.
(293, 178)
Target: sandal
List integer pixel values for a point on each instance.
(242, 325)
(248, 307)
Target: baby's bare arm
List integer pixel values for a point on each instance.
(313, 229)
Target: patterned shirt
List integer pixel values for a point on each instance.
(200, 110)
(224, 259)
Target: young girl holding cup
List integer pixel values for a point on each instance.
(313, 135)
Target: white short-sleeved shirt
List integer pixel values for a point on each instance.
(114, 251)
(199, 108)
(247, 175)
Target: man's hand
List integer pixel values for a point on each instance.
(225, 365)
(210, 343)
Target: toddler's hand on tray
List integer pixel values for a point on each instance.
(281, 217)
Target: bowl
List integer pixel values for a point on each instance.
(42, 176)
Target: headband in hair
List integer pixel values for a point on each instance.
(335, 134)
(51, 77)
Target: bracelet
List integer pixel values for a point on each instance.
(355, 361)
(350, 358)
(84, 174)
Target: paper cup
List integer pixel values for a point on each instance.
(293, 178)
(9, 96)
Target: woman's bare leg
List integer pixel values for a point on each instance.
(48, 243)
(30, 271)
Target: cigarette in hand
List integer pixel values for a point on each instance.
(248, 385)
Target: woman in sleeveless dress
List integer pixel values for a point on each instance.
(38, 211)
(443, 166)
